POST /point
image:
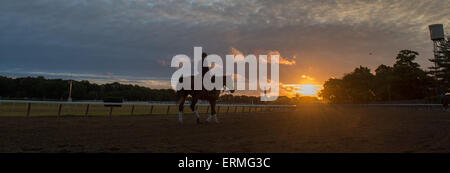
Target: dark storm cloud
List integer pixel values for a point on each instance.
(135, 39)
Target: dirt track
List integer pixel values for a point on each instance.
(310, 129)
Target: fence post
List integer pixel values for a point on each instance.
(228, 109)
(132, 110)
(218, 109)
(151, 109)
(168, 107)
(87, 110)
(110, 111)
(59, 109)
(235, 108)
(28, 109)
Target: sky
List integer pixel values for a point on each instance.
(133, 41)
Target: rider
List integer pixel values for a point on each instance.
(205, 69)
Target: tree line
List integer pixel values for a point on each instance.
(404, 80)
(40, 88)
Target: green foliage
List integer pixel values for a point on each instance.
(58, 89)
(39, 88)
(410, 82)
(404, 81)
(442, 70)
(383, 80)
(355, 87)
(334, 91)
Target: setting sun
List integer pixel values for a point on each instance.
(308, 89)
(311, 90)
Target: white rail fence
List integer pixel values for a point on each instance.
(92, 108)
(27, 108)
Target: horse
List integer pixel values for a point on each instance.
(211, 96)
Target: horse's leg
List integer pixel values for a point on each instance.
(181, 108)
(213, 116)
(193, 103)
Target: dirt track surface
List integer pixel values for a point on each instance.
(310, 129)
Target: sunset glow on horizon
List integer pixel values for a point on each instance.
(311, 90)
(136, 40)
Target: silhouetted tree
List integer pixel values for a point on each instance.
(334, 91)
(384, 77)
(355, 87)
(58, 89)
(404, 81)
(410, 82)
(442, 70)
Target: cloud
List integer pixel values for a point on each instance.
(135, 37)
(292, 90)
(307, 77)
(163, 62)
(269, 53)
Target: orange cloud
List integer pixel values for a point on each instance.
(283, 60)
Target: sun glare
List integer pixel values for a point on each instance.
(311, 90)
(308, 89)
